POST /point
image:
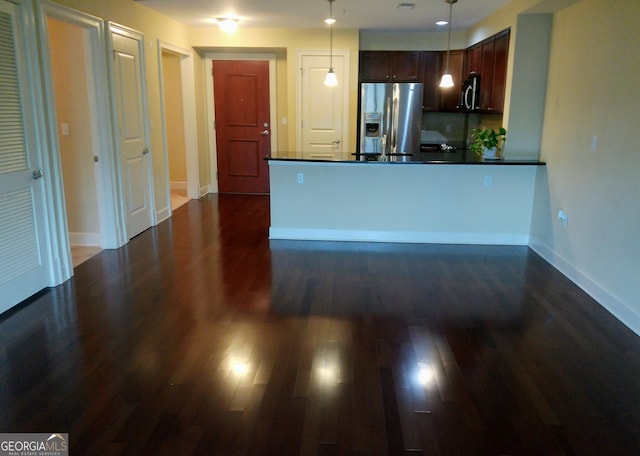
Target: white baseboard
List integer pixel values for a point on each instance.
(401, 236)
(623, 312)
(86, 239)
(205, 190)
(178, 185)
(162, 214)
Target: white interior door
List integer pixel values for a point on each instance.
(127, 70)
(23, 268)
(324, 110)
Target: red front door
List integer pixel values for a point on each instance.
(243, 126)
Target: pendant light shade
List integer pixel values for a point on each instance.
(330, 80)
(447, 80)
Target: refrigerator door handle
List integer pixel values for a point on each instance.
(394, 122)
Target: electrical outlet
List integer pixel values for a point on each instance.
(300, 178)
(563, 217)
(488, 181)
(448, 128)
(594, 143)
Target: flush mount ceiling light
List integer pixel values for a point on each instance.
(330, 80)
(227, 24)
(447, 79)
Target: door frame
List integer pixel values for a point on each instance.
(112, 227)
(211, 118)
(342, 85)
(190, 123)
(115, 28)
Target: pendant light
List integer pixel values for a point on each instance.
(330, 80)
(447, 80)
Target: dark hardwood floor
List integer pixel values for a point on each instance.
(202, 337)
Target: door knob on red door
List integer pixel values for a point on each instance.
(265, 133)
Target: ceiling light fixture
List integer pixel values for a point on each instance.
(447, 79)
(330, 80)
(227, 24)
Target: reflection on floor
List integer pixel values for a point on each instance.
(178, 198)
(81, 253)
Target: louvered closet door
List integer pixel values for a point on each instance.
(22, 269)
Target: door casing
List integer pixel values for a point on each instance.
(213, 153)
(116, 29)
(190, 121)
(343, 88)
(112, 225)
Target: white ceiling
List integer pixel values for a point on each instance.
(350, 14)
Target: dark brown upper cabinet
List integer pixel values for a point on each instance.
(431, 74)
(450, 98)
(390, 66)
(488, 58)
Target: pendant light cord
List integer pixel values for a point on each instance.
(331, 34)
(451, 2)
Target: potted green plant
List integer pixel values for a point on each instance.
(487, 142)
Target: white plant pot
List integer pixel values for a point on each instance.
(491, 154)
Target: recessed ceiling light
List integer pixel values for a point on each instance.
(442, 22)
(227, 24)
(406, 5)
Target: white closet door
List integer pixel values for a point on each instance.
(23, 271)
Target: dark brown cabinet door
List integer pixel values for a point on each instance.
(473, 59)
(499, 82)
(374, 66)
(405, 66)
(390, 66)
(450, 98)
(431, 74)
(486, 74)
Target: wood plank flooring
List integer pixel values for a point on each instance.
(202, 337)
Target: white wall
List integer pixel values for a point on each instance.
(593, 90)
(402, 202)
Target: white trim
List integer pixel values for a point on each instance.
(175, 185)
(163, 214)
(623, 312)
(114, 28)
(273, 105)
(189, 115)
(344, 85)
(204, 191)
(86, 239)
(398, 236)
(112, 225)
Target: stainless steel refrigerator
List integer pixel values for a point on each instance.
(390, 121)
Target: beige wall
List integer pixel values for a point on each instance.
(174, 117)
(76, 149)
(284, 43)
(593, 90)
(154, 26)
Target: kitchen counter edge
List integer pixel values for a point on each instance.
(501, 162)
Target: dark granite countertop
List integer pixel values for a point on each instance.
(426, 159)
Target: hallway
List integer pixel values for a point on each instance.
(201, 336)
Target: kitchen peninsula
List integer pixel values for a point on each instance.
(419, 202)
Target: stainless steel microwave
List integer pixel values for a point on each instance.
(471, 93)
